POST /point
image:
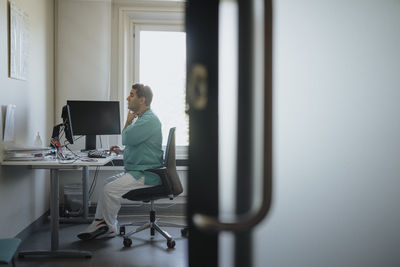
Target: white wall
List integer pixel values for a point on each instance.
(83, 50)
(83, 53)
(336, 136)
(23, 192)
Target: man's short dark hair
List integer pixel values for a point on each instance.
(143, 91)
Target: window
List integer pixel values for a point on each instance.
(160, 62)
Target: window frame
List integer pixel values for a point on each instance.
(165, 16)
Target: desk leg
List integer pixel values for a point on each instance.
(85, 193)
(54, 225)
(54, 211)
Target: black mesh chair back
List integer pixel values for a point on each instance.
(170, 164)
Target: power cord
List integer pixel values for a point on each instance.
(94, 182)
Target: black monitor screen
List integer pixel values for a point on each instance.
(93, 118)
(66, 116)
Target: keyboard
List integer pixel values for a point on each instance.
(98, 154)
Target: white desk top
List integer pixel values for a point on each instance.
(59, 163)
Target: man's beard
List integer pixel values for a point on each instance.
(133, 108)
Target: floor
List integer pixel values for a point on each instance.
(144, 252)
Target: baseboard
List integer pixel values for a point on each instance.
(34, 226)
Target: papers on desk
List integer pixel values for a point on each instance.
(27, 153)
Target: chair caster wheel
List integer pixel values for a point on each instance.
(127, 242)
(122, 230)
(184, 232)
(171, 243)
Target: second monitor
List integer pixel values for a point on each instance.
(91, 118)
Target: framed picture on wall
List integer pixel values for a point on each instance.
(18, 42)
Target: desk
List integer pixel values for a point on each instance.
(54, 166)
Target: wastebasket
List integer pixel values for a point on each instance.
(73, 198)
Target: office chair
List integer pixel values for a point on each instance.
(171, 187)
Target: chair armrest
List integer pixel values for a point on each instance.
(162, 172)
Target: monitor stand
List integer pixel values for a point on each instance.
(90, 142)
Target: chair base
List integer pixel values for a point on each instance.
(153, 225)
(160, 224)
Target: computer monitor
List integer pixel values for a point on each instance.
(66, 124)
(66, 116)
(91, 118)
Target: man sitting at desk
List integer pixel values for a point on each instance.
(142, 140)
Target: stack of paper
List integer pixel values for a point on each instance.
(26, 153)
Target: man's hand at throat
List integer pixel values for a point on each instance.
(131, 116)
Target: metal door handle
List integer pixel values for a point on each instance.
(244, 223)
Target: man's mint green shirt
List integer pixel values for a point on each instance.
(142, 141)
